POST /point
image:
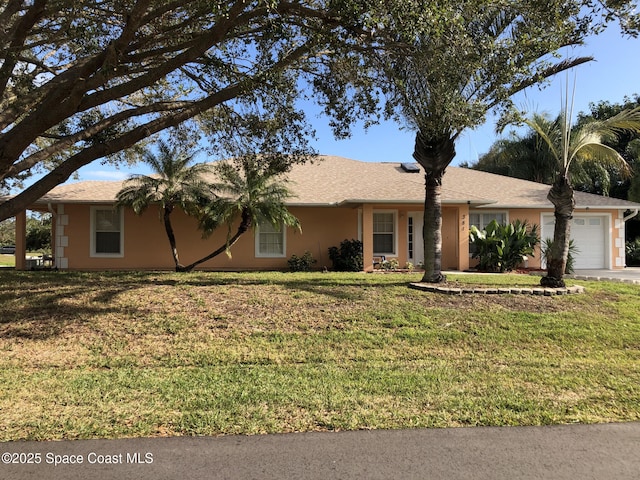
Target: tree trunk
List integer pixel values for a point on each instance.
(434, 155)
(245, 224)
(561, 195)
(432, 229)
(171, 236)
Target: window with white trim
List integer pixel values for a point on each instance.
(481, 220)
(384, 233)
(270, 241)
(107, 232)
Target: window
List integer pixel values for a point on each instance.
(270, 241)
(106, 232)
(481, 220)
(384, 233)
(410, 239)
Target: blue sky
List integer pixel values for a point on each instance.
(614, 74)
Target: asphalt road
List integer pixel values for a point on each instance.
(583, 452)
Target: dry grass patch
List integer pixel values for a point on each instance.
(124, 354)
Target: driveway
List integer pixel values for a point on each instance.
(586, 452)
(627, 275)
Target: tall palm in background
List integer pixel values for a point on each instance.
(519, 156)
(250, 192)
(583, 145)
(528, 157)
(176, 183)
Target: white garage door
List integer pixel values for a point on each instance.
(589, 235)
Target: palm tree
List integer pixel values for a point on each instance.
(584, 145)
(528, 157)
(468, 65)
(250, 191)
(175, 184)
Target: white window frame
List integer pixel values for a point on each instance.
(92, 232)
(484, 212)
(482, 227)
(395, 233)
(259, 254)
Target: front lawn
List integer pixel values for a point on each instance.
(7, 260)
(152, 354)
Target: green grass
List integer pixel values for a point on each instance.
(86, 355)
(10, 260)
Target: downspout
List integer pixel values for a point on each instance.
(51, 210)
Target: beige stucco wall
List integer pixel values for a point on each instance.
(614, 221)
(453, 235)
(146, 245)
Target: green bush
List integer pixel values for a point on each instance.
(391, 264)
(348, 257)
(301, 264)
(38, 237)
(571, 257)
(633, 253)
(501, 248)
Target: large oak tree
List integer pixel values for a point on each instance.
(84, 80)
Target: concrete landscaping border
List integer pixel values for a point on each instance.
(547, 292)
(606, 278)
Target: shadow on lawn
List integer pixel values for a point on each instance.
(39, 305)
(340, 286)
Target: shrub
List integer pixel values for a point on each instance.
(38, 237)
(547, 245)
(391, 264)
(633, 253)
(501, 248)
(301, 264)
(348, 257)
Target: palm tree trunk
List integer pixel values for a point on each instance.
(245, 224)
(170, 235)
(432, 229)
(561, 195)
(434, 155)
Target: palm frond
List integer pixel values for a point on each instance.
(604, 155)
(548, 132)
(245, 187)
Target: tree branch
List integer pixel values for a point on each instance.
(68, 141)
(62, 172)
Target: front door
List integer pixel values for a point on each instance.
(414, 237)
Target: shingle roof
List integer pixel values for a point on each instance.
(89, 191)
(334, 180)
(508, 192)
(338, 180)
